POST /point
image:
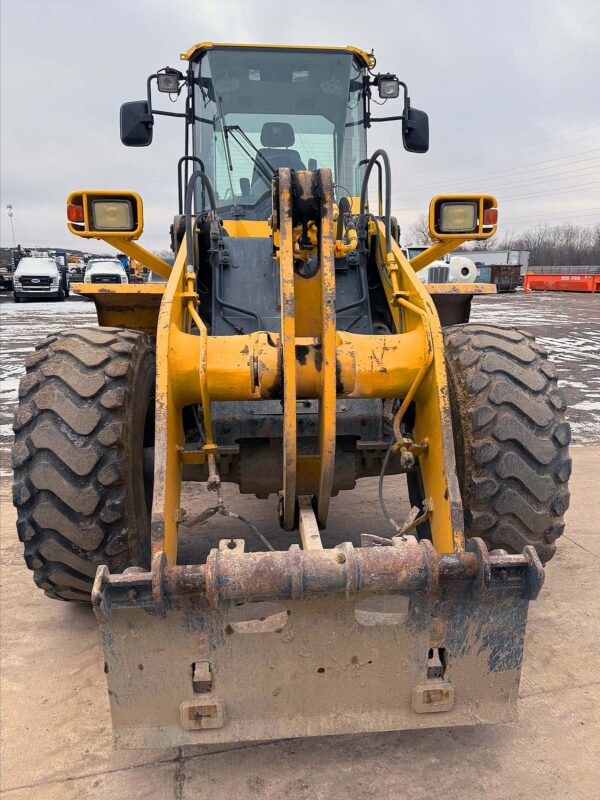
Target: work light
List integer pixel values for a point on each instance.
(388, 86)
(112, 215)
(168, 81)
(100, 214)
(458, 217)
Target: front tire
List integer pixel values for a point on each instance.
(511, 437)
(85, 416)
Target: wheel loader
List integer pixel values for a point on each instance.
(291, 352)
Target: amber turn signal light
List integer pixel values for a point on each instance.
(490, 216)
(74, 213)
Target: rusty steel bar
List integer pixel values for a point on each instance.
(285, 574)
(296, 573)
(228, 576)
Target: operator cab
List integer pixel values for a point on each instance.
(253, 109)
(256, 110)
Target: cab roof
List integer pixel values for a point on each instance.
(367, 59)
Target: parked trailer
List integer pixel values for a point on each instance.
(581, 282)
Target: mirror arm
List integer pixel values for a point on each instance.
(171, 113)
(149, 91)
(151, 112)
(369, 119)
(385, 119)
(406, 97)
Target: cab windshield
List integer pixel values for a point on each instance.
(258, 110)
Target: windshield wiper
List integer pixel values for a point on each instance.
(262, 165)
(225, 132)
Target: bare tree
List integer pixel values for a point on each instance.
(557, 245)
(549, 245)
(418, 232)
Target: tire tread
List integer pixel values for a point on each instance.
(68, 456)
(511, 437)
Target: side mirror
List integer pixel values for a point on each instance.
(136, 124)
(415, 130)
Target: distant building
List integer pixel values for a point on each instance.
(500, 258)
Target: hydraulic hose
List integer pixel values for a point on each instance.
(198, 174)
(379, 154)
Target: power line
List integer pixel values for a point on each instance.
(499, 182)
(522, 168)
(527, 147)
(575, 188)
(575, 213)
(508, 178)
(547, 191)
(528, 227)
(535, 180)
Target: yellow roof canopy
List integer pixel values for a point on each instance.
(367, 59)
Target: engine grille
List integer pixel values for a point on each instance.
(438, 274)
(106, 279)
(36, 282)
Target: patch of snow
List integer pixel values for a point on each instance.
(587, 405)
(573, 384)
(585, 432)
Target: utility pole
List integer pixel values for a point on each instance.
(11, 214)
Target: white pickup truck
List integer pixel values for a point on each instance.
(105, 270)
(39, 277)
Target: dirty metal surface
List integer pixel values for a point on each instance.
(135, 305)
(297, 643)
(313, 667)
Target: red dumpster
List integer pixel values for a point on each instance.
(562, 283)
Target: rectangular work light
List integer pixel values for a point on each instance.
(105, 215)
(112, 215)
(462, 216)
(168, 81)
(458, 217)
(388, 86)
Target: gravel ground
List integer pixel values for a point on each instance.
(567, 324)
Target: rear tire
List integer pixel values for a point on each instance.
(511, 437)
(86, 412)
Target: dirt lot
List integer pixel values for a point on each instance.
(56, 739)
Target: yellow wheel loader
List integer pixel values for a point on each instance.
(291, 351)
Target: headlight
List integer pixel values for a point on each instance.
(87, 279)
(458, 217)
(123, 278)
(113, 215)
(388, 86)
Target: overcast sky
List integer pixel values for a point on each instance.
(512, 90)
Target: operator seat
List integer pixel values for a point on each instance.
(276, 139)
